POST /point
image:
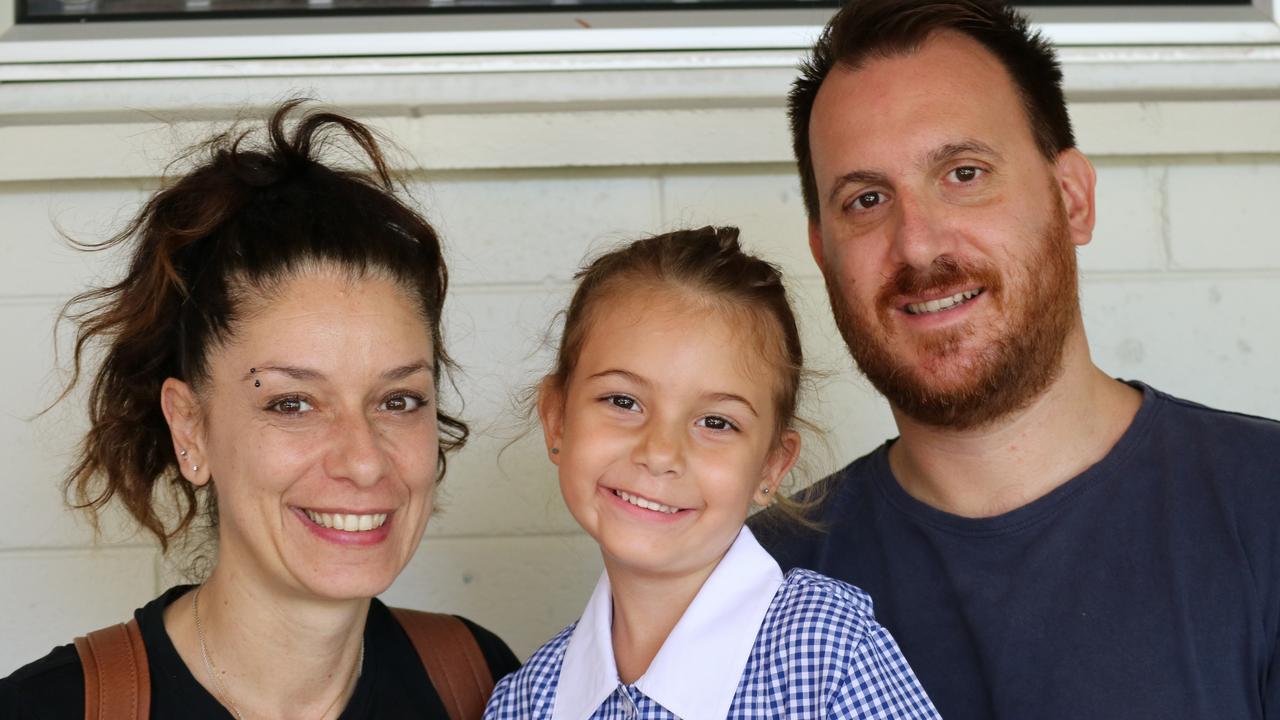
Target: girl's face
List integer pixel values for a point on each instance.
(318, 424)
(666, 432)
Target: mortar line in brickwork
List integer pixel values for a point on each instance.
(1166, 223)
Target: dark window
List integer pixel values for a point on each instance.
(39, 11)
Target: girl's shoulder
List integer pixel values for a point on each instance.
(530, 691)
(813, 609)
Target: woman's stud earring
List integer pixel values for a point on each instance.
(765, 490)
(183, 453)
(555, 451)
(195, 468)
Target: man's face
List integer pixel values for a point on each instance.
(942, 234)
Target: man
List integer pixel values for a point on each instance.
(1044, 541)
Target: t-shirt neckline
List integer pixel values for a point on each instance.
(1033, 512)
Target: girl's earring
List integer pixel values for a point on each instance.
(765, 489)
(555, 451)
(183, 453)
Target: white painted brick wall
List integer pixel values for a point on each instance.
(1181, 288)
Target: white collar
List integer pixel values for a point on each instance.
(696, 672)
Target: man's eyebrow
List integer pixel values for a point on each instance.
(950, 151)
(860, 177)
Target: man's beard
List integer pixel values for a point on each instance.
(1038, 303)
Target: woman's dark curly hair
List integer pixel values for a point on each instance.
(254, 211)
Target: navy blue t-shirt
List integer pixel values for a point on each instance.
(1146, 587)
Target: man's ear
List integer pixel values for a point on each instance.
(551, 415)
(181, 409)
(1076, 183)
(815, 245)
(781, 460)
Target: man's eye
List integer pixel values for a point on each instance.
(290, 406)
(622, 401)
(402, 403)
(966, 174)
(715, 422)
(867, 200)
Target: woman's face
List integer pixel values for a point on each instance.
(318, 427)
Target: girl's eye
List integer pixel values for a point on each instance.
(966, 174)
(621, 401)
(292, 405)
(404, 403)
(715, 422)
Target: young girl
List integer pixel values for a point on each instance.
(669, 414)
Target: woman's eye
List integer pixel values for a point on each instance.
(402, 403)
(290, 406)
(621, 401)
(966, 174)
(715, 422)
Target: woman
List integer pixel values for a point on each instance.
(271, 362)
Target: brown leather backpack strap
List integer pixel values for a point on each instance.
(117, 680)
(452, 659)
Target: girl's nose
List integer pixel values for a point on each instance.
(660, 450)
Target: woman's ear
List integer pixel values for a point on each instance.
(181, 410)
(551, 415)
(781, 459)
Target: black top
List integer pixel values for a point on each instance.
(1146, 587)
(392, 684)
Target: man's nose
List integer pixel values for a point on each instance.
(920, 235)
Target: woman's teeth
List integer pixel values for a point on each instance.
(349, 523)
(646, 504)
(942, 303)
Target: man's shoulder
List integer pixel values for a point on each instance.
(827, 503)
(1180, 413)
(1193, 431)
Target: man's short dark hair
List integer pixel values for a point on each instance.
(869, 29)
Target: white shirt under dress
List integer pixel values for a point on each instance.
(752, 644)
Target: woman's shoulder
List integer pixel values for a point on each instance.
(497, 654)
(51, 687)
(529, 691)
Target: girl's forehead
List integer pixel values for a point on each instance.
(687, 327)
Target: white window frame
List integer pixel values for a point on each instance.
(567, 32)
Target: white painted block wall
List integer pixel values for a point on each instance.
(1181, 289)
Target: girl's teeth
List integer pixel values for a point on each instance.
(348, 522)
(646, 504)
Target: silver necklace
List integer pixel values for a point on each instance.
(223, 695)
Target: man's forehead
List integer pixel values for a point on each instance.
(949, 91)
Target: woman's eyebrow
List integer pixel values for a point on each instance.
(297, 373)
(404, 371)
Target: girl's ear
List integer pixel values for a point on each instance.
(779, 463)
(551, 415)
(181, 410)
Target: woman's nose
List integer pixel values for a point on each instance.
(358, 455)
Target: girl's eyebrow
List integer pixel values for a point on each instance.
(641, 381)
(626, 374)
(730, 397)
